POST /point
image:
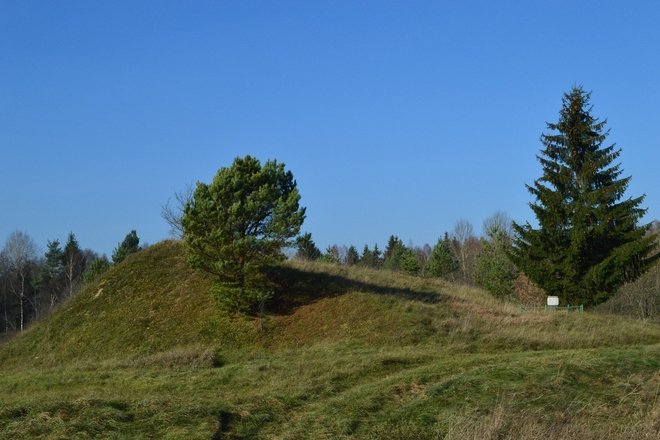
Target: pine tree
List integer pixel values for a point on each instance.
(129, 245)
(236, 226)
(442, 263)
(393, 253)
(352, 256)
(306, 248)
(408, 262)
(97, 267)
(52, 271)
(494, 270)
(588, 242)
(377, 256)
(332, 254)
(370, 258)
(366, 259)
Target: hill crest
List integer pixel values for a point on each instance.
(153, 302)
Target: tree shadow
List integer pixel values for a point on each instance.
(295, 288)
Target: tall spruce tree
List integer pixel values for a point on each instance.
(588, 242)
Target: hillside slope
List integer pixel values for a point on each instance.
(144, 352)
(152, 301)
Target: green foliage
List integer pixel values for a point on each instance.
(306, 248)
(242, 299)
(442, 263)
(73, 262)
(52, 267)
(588, 242)
(152, 302)
(494, 270)
(352, 256)
(370, 258)
(408, 262)
(71, 248)
(398, 257)
(98, 267)
(52, 271)
(640, 298)
(142, 353)
(129, 245)
(331, 255)
(393, 254)
(237, 225)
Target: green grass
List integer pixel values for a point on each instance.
(341, 353)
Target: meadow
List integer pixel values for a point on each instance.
(341, 352)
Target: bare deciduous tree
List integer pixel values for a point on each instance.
(19, 252)
(498, 222)
(172, 211)
(74, 264)
(4, 289)
(466, 247)
(641, 298)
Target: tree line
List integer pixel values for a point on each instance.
(459, 256)
(33, 285)
(588, 242)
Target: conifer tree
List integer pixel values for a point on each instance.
(73, 262)
(332, 254)
(408, 262)
(494, 270)
(238, 225)
(129, 245)
(370, 258)
(393, 253)
(442, 262)
(52, 271)
(352, 256)
(377, 256)
(97, 267)
(366, 257)
(306, 248)
(588, 241)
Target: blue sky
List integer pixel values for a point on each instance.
(394, 117)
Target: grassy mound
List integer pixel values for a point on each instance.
(151, 302)
(144, 352)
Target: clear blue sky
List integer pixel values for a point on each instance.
(394, 117)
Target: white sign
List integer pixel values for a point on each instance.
(553, 301)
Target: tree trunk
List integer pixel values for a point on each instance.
(6, 315)
(70, 276)
(22, 296)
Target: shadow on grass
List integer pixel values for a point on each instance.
(295, 288)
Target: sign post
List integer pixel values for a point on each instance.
(552, 302)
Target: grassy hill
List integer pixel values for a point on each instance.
(144, 352)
